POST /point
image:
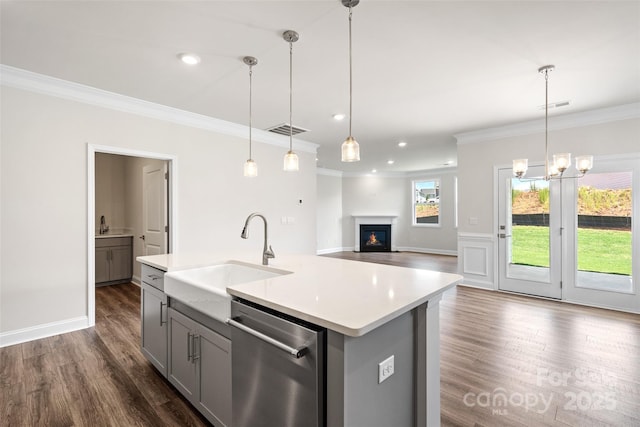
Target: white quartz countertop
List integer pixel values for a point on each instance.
(349, 297)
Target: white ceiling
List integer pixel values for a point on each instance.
(423, 70)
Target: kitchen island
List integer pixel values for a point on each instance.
(372, 313)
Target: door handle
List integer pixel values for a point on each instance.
(295, 352)
(503, 235)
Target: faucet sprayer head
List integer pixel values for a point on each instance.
(244, 233)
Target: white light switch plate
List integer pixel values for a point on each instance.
(385, 369)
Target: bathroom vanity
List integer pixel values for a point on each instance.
(375, 345)
(113, 258)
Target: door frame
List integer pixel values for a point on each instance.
(92, 149)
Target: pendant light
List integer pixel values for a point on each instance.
(350, 147)
(561, 161)
(250, 166)
(291, 158)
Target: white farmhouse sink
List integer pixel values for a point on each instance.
(205, 288)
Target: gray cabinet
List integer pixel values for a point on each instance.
(153, 334)
(114, 260)
(199, 366)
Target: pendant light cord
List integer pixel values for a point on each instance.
(290, 96)
(250, 109)
(546, 123)
(350, 76)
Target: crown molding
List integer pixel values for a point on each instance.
(329, 172)
(587, 118)
(51, 86)
(408, 174)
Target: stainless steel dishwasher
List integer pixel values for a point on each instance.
(278, 365)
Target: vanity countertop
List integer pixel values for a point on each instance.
(110, 234)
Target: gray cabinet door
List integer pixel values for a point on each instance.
(214, 376)
(102, 265)
(181, 369)
(153, 313)
(121, 260)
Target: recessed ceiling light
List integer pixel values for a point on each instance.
(390, 162)
(374, 170)
(402, 144)
(189, 58)
(339, 117)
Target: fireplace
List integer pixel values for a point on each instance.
(375, 237)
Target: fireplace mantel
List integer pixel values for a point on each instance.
(374, 219)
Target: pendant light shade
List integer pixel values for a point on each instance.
(350, 150)
(250, 166)
(291, 162)
(350, 147)
(291, 158)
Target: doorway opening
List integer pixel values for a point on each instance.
(131, 201)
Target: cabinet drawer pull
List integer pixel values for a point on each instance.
(196, 354)
(189, 346)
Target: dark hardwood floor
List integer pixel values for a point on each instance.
(92, 377)
(506, 360)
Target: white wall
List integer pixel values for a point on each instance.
(389, 195)
(110, 191)
(329, 220)
(43, 252)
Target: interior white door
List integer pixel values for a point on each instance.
(154, 209)
(529, 234)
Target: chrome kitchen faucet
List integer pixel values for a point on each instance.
(266, 253)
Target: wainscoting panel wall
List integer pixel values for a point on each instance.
(477, 260)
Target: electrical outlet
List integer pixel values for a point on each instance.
(385, 369)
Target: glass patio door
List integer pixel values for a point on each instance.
(529, 234)
(604, 243)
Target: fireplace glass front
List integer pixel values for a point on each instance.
(375, 238)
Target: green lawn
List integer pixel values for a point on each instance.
(604, 251)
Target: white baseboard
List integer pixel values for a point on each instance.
(43, 331)
(427, 251)
(334, 250)
(487, 286)
(331, 250)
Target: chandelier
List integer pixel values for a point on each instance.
(561, 161)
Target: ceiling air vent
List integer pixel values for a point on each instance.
(286, 129)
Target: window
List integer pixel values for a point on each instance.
(426, 202)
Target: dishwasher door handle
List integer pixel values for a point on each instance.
(295, 352)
